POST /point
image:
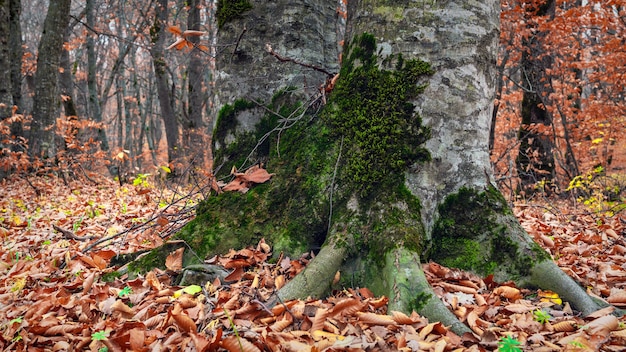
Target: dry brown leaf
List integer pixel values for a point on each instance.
(508, 292)
(174, 260)
(603, 326)
(318, 320)
(88, 282)
(519, 308)
(184, 322)
(120, 306)
(238, 344)
(63, 329)
(565, 326)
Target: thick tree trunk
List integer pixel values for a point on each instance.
(47, 100)
(364, 179)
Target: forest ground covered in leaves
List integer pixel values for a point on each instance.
(58, 237)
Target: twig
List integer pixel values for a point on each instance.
(237, 43)
(280, 58)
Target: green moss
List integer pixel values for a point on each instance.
(111, 276)
(371, 109)
(290, 211)
(420, 300)
(228, 10)
(471, 234)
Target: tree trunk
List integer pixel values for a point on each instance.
(160, 71)
(6, 96)
(392, 169)
(195, 129)
(535, 159)
(46, 100)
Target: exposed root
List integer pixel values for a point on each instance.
(408, 290)
(547, 275)
(316, 278)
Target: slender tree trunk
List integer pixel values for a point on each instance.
(46, 100)
(6, 96)
(195, 129)
(535, 161)
(160, 70)
(66, 82)
(16, 52)
(92, 83)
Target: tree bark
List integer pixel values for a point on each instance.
(6, 96)
(160, 70)
(46, 100)
(92, 83)
(390, 168)
(196, 128)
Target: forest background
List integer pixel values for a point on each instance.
(130, 99)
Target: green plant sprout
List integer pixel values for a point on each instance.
(541, 317)
(141, 180)
(98, 336)
(125, 291)
(77, 224)
(509, 344)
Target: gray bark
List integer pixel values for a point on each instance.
(304, 31)
(160, 71)
(195, 129)
(6, 98)
(92, 84)
(459, 39)
(47, 101)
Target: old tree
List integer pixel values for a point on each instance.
(385, 170)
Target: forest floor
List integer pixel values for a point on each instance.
(58, 239)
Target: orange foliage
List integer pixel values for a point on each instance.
(583, 86)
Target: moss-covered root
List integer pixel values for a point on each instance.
(547, 275)
(316, 278)
(409, 290)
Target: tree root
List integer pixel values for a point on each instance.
(547, 275)
(405, 283)
(316, 279)
(410, 290)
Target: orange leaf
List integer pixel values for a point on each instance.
(178, 44)
(175, 30)
(182, 319)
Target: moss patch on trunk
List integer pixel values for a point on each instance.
(476, 231)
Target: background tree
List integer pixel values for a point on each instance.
(47, 99)
(6, 93)
(158, 31)
(576, 92)
(195, 129)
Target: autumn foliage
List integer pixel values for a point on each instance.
(576, 53)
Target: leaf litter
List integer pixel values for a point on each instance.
(53, 296)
